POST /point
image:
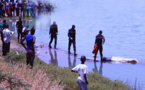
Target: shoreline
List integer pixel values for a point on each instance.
(14, 19)
(43, 66)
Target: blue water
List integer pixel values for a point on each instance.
(122, 23)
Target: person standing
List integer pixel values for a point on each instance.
(19, 28)
(25, 31)
(3, 10)
(99, 41)
(6, 40)
(72, 35)
(53, 32)
(2, 26)
(17, 8)
(82, 70)
(8, 9)
(30, 41)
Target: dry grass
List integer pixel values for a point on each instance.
(36, 77)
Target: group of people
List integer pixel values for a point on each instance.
(71, 34)
(99, 40)
(12, 8)
(81, 69)
(6, 35)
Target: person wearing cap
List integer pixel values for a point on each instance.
(82, 70)
(72, 37)
(53, 33)
(6, 40)
(99, 41)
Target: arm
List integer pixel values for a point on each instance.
(85, 75)
(69, 34)
(50, 30)
(103, 40)
(95, 41)
(56, 30)
(17, 24)
(22, 42)
(74, 71)
(34, 39)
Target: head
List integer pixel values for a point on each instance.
(7, 26)
(4, 21)
(32, 31)
(27, 26)
(83, 59)
(54, 23)
(100, 32)
(73, 26)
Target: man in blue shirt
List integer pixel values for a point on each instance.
(30, 41)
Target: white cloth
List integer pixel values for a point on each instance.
(7, 35)
(23, 30)
(81, 69)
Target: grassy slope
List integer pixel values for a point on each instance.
(96, 82)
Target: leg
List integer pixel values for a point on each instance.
(8, 50)
(69, 44)
(4, 49)
(74, 46)
(32, 57)
(55, 42)
(96, 54)
(82, 85)
(50, 41)
(18, 35)
(101, 54)
(27, 57)
(21, 34)
(79, 85)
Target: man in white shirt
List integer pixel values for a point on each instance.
(82, 70)
(7, 38)
(25, 31)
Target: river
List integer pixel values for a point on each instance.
(122, 23)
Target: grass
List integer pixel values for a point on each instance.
(66, 78)
(35, 78)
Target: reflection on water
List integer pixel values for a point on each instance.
(95, 69)
(69, 61)
(53, 59)
(12, 25)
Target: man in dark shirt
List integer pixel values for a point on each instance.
(99, 41)
(53, 32)
(19, 28)
(71, 35)
(3, 26)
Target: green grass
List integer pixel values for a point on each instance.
(67, 78)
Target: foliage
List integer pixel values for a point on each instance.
(13, 81)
